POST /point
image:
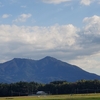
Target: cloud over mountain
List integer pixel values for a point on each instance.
(66, 40)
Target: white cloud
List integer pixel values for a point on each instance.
(86, 2)
(22, 18)
(6, 15)
(92, 20)
(53, 37)
(55, 1)
(92, 25)
(90, 35)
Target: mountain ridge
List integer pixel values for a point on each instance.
(44, 70)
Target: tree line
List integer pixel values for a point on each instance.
(55, 87)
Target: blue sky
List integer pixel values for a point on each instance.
(68, 30)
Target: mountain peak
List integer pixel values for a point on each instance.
(48, 59)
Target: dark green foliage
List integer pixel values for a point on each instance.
(56, 87)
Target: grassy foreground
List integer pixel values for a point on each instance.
(56, 97)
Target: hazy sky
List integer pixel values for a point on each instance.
(68, 30)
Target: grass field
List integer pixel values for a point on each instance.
(56, 97)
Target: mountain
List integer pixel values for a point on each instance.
(44, 70)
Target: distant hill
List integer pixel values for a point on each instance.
(44, 70)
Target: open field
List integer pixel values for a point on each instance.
(56, 97)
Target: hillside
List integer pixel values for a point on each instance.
(44, 70)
